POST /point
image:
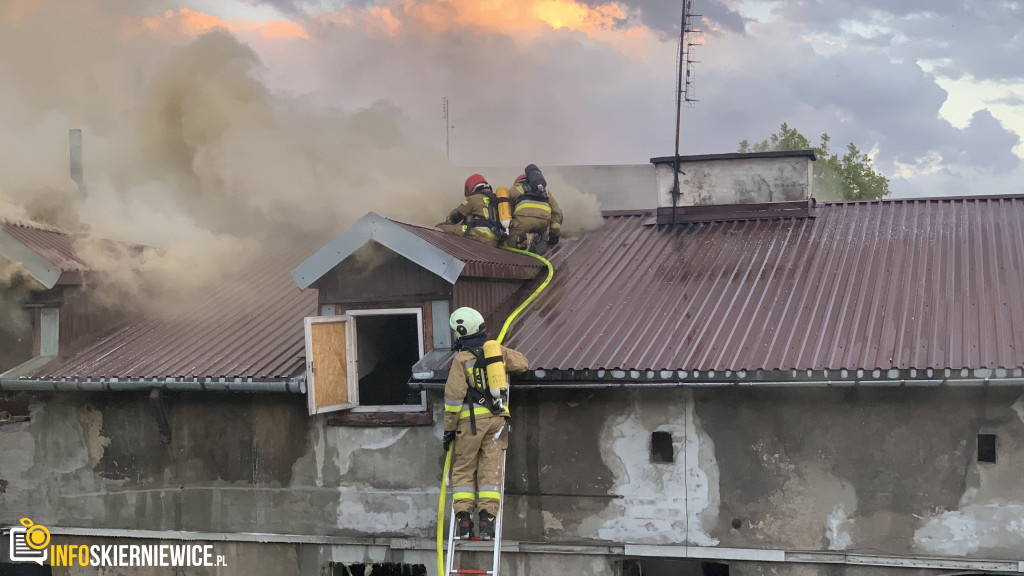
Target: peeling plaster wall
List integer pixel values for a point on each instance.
(235, 463)
(654, 508)
(891, 471)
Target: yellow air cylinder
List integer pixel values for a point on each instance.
(504, 208)
(497, 379)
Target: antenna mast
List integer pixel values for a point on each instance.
(447, 130)
(684, 84)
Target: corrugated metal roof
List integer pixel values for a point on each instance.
(245, 329)
(481, 260)
(892, 284)
(55, 247)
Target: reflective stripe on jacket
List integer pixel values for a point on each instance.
(528, 207)
(460, 376)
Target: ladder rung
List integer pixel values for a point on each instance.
(471, 572)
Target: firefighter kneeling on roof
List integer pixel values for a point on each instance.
(475, 416)
(536, 217)
(477, 216)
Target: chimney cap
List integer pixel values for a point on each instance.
(737, 156)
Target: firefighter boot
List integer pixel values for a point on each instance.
(486, 525)
(533, 242)
(465, 525)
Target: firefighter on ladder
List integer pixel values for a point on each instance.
(475, 416)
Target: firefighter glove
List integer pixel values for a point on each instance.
(449, 437)
(553, 238)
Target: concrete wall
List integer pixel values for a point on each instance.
(890, 471)
(736, 181)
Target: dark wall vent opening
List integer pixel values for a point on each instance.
(986, 447)
(661, 447)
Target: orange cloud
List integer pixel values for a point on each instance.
(513, 16)
(193, 23)
(569, 14)
(385, 21)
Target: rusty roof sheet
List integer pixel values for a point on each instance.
(481, 260)
(55, 247)
(892, 284)
(244, 329)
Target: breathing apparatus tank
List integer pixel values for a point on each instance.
(497, 378)
(504, 206)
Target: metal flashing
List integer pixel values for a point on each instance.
(737, 156)
(375, 227)
(39, 268)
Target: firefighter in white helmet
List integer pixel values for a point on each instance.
(475, 413)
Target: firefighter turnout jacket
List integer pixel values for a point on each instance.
(534, 215)
(461, 376)
(478, 219)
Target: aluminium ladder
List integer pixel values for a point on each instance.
(453, 541)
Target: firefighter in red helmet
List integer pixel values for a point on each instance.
(477, 216)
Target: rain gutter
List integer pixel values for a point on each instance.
(636, 385)
(12, 380)
(292, 385)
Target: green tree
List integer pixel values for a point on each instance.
(851, 176)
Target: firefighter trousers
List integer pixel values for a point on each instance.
(522, 226)
(480, 235)
(476, 475)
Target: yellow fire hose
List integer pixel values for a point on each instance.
(448, 456)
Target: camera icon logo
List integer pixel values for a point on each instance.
(29, 542)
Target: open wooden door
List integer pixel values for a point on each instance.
(332, 374)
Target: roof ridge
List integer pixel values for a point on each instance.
(926, 199)
(33, 226)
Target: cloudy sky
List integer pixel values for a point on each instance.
(935, 88)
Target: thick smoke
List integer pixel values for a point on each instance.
(191, 161)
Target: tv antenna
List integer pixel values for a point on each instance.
(447, 130)
(685, 93)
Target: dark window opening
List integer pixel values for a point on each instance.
(986, 447)
(388, 346)
(661, 447)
